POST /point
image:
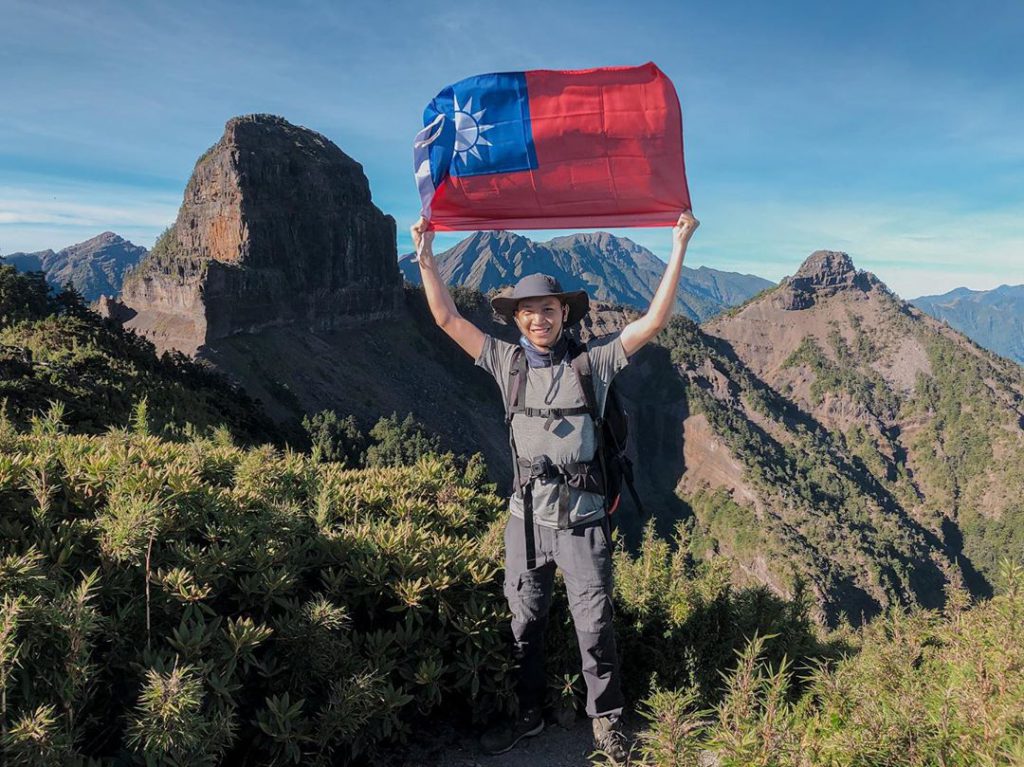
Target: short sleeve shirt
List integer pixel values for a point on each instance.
(570, 439)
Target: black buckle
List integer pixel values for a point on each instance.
(541, 467)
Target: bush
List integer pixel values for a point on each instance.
(923, 689)
(683, 620)
(399, 443)
(198, 602)
(334, 439)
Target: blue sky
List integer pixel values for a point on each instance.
(893, 131)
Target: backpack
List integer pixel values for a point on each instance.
(611, 467)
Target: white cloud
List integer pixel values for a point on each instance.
(916, 247)
(55, 215)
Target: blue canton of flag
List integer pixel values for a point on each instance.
(486, 127)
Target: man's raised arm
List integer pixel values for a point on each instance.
(446, 315)
(642, 330)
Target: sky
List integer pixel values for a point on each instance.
(893, 130)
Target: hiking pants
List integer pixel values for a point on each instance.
(583, 555)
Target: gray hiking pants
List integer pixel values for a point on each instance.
(583, 556)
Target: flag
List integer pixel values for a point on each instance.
(553, 150)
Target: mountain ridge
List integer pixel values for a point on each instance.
(610, 268)
(95, 267)
(923, 428)
(993, 318)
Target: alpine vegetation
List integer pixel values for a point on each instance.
(918, 689)
(195, 601)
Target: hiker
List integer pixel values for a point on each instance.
(553, 521)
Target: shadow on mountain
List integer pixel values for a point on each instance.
(906, 569)
(975, 582)
(655, 398)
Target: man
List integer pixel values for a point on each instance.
(553, 523)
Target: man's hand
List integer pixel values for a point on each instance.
(423, 241)
(684, 229)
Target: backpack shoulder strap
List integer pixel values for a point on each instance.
(516, 390)
(580, 364)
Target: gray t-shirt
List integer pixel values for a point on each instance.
(567, 440)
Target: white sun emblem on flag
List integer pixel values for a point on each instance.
(469, 131)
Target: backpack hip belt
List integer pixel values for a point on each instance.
(581, 475)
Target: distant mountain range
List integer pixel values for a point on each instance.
(611, 269)
(95, 267)
(992, 318)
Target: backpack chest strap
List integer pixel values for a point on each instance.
(553, 412)
(516, 390)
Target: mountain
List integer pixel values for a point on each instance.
(96, 267)
(277, 226)
(992, 318)
(612, 269)
(840, 436)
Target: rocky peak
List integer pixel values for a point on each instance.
(502, 236)
(106, 246)
(101, 240)
(826, 268)
(603, 241)
(96, 266)
(599, 239)
(277, 226)
(496, 242)
(824, 273)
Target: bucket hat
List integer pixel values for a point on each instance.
(536, 286)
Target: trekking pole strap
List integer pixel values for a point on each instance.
(531, 543)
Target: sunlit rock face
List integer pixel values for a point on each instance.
(277, 226)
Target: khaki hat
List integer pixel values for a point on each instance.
(537, 286)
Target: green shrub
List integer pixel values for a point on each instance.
(197, 602)
(335, 439)
(683, 619)
(399, 443)
(923, 689)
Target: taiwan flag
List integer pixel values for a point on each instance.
(553, 150)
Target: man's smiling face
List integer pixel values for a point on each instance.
(540, 320)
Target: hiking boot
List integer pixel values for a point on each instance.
(502, 737)
(610, 740)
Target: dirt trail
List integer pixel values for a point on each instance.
(555, 747)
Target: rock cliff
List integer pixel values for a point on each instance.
(277, 227)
